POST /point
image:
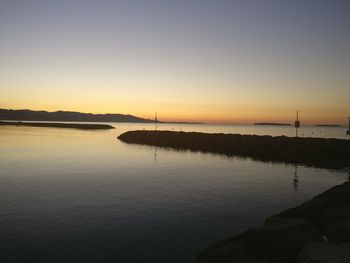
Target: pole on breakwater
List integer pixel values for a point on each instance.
(297, 124)
(156, 121)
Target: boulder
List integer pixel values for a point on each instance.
(282, 239)
(286, 237)
(325, 253)
(279, 241)
(339, 231)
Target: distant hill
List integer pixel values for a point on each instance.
(29, 115)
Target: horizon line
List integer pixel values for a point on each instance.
(216, 122)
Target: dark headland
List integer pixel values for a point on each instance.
(29, 115)
(82, 126)
(318, 152)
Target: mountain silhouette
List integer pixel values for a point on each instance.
(29, 115)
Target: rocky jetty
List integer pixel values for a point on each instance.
(82, 126)
(317, 231)
(318, 152)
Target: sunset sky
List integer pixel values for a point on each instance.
(216, 61)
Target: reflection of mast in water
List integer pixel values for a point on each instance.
(155, 154)
(296, 178)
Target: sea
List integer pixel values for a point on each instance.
(69, 195)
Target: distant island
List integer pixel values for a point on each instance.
(81, 126)
(184, 122)
(272, 124)
(29, 115)
(328, 125)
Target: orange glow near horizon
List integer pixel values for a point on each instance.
(210, 114)
(232, 62)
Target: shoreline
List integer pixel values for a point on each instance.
(318, 230)
(80, 126)
(316, 152)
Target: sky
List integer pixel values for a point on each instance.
(221, 61)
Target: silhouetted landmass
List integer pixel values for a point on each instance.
(328, 125)
(82, 126)
(184, 122)
(319, 152)
(272, 124)
(29, 115)
(297, 235)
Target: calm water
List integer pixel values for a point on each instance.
(83, 196)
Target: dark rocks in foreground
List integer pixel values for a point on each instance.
(317, 231)
(82, 126)
(319, 152)
(325, 253)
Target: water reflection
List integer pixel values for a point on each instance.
(296, 178)
(83, 196)
(155, 154)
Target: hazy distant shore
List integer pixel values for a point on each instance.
(318, 152)
(30, 115)
(81, 126)
(328, 125)
(272, 124)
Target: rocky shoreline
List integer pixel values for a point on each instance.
(317, 152)
(317, 231)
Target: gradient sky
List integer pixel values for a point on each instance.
(212, 61)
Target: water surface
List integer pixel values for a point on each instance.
(83, 196)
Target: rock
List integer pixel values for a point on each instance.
(285, 237)
(228, 251)
(319, 152)
(329, 211)
(282, 239)
(325, 253)
(279, 241)
(339, 231)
